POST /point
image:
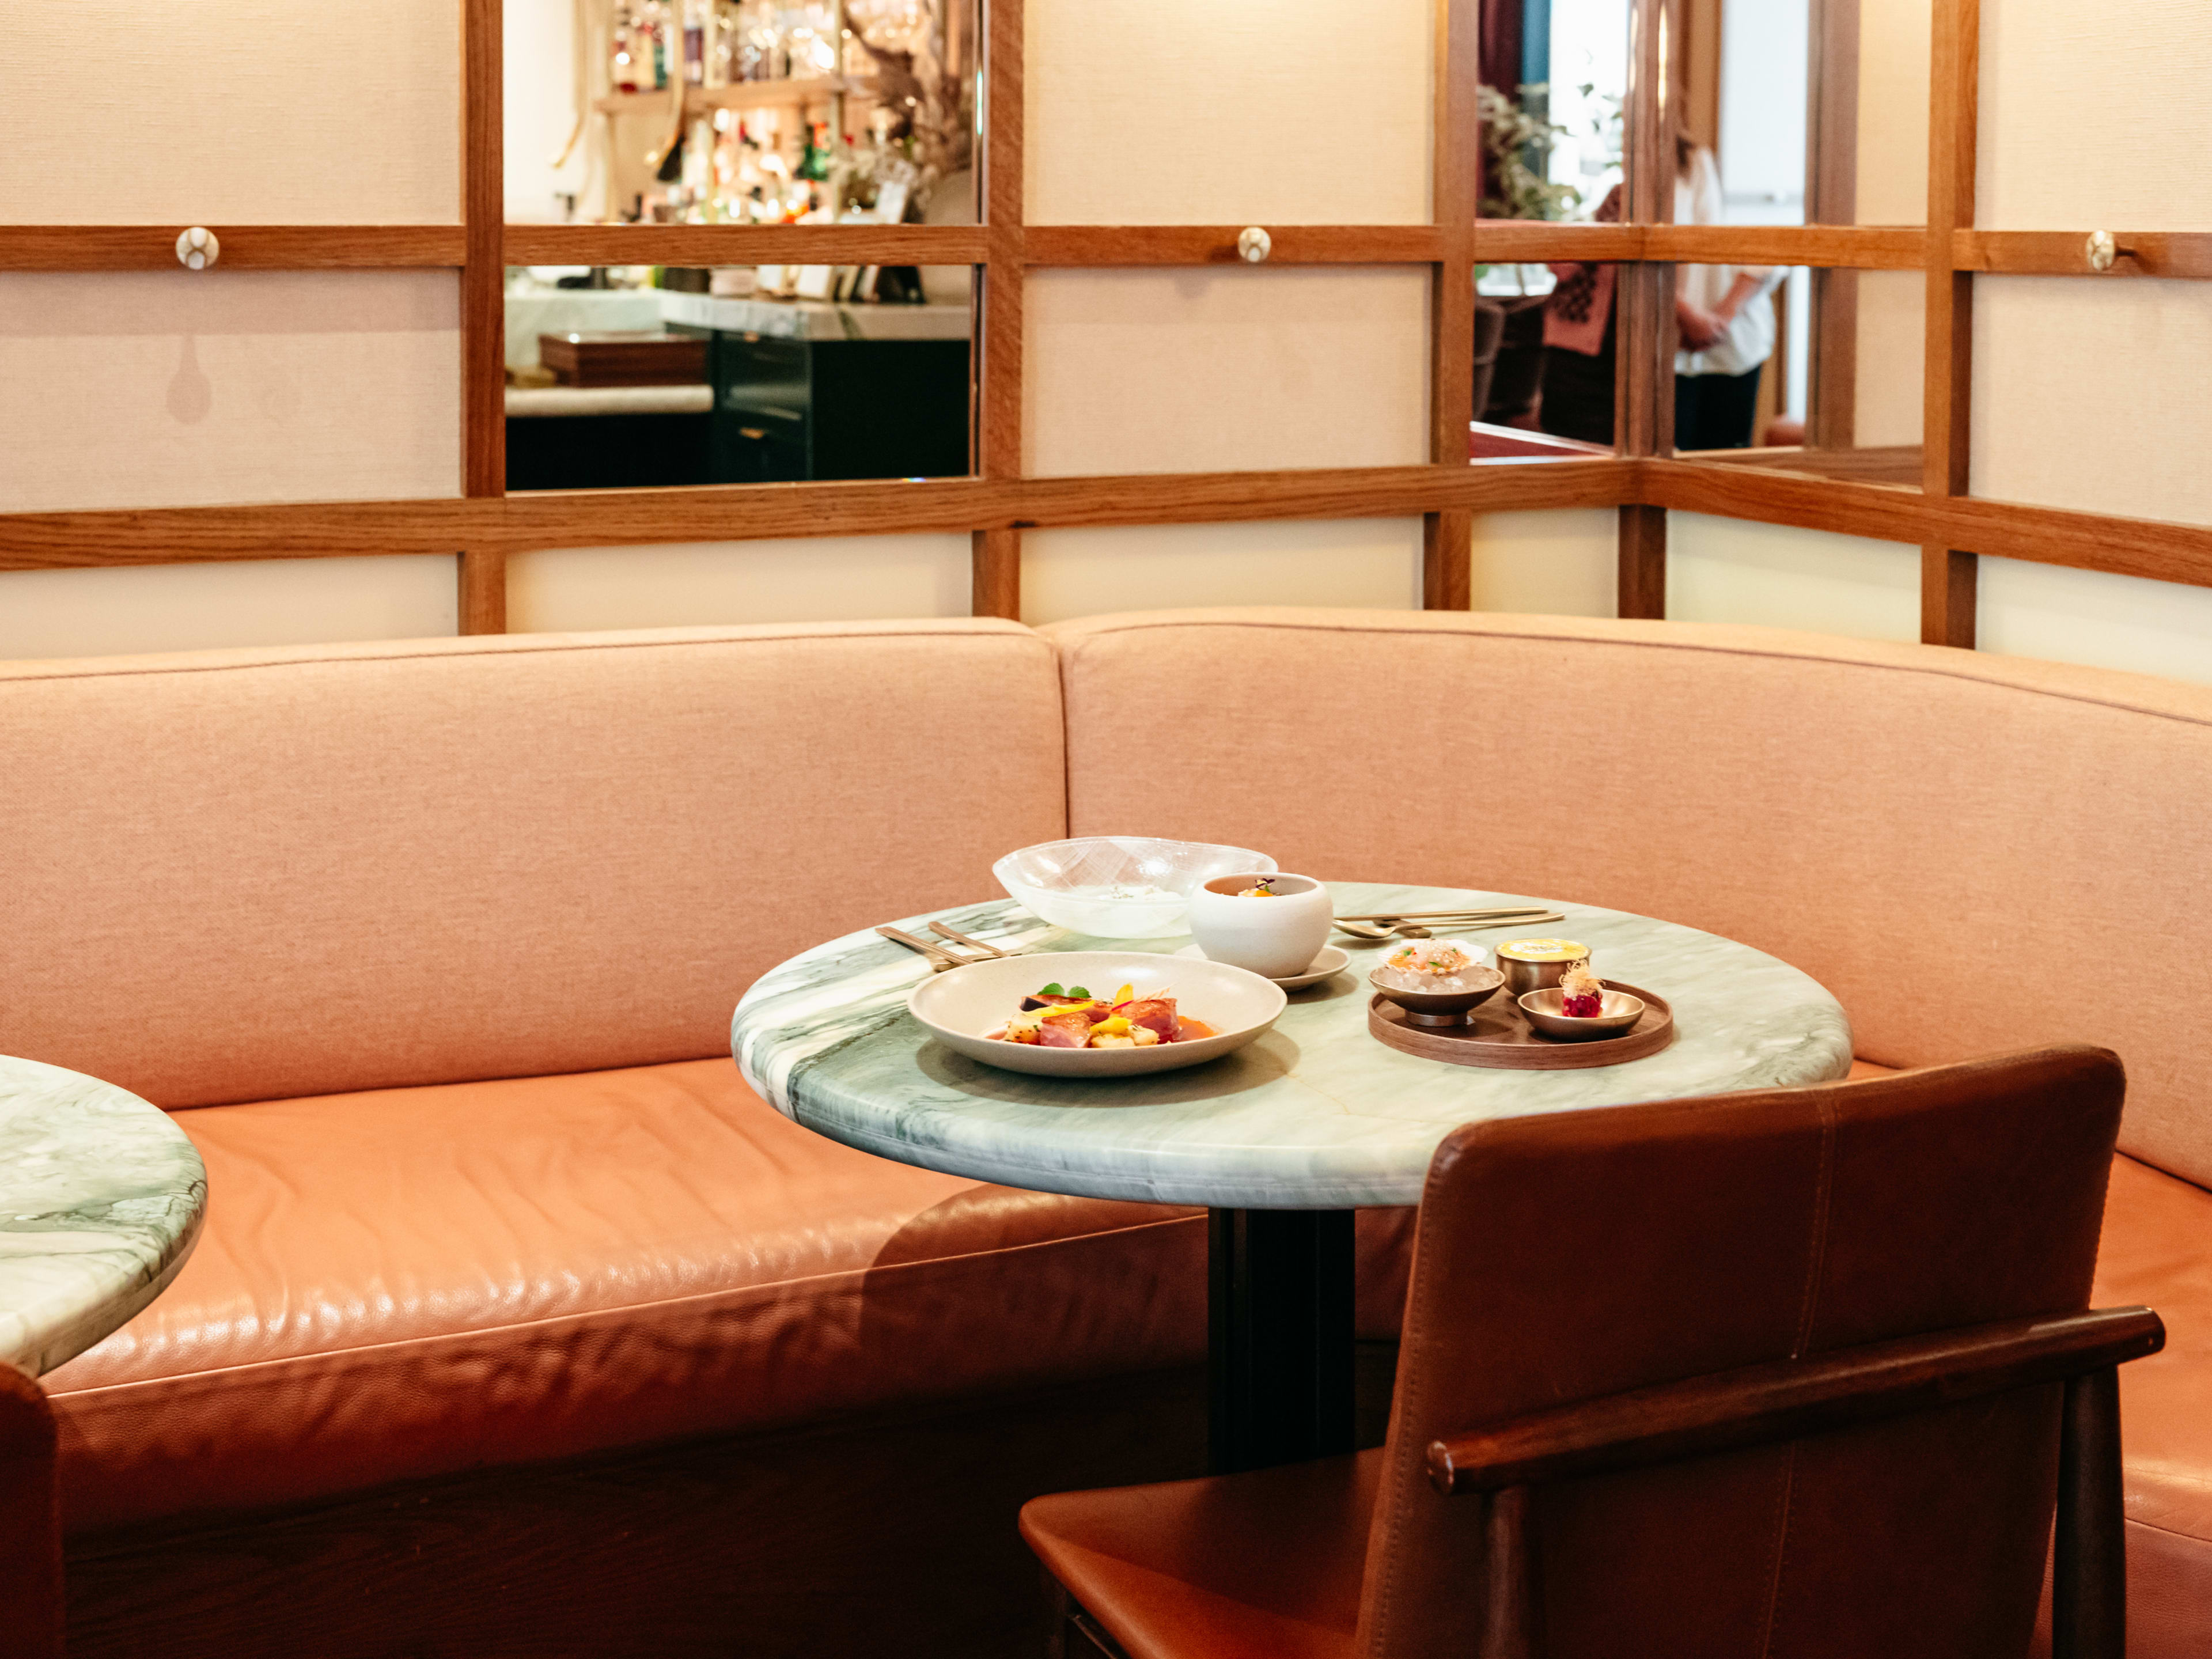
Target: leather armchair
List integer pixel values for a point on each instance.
(1802, 1371)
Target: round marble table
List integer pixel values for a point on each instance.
(100, 1200)
(1281, 1140)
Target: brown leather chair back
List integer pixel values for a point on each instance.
(1567, 1257)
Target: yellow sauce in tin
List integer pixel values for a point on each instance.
(1543, 949)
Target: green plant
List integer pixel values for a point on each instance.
(1518, 146)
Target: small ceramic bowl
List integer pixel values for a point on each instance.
(1277, 936)
(1443, 1007)
(1536, 964)
(1619, 1011)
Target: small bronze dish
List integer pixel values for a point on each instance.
(1620, 1012)
(1443, 1007)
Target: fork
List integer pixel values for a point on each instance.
(1376, 934)
(959, 938)
(940, 957)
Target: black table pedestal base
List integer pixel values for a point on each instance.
(1279, 1372)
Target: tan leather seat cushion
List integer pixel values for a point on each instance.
(409, 1282)
(1264, 1566)
(2157, 1251)
(250, 875)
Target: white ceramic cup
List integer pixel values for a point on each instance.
(1274, 938)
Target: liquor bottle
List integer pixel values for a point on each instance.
(694, 45)
(814, 160)
(625, 53)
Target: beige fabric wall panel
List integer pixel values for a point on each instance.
(269, 112)
(2103, 620)
(2091, 395)
(129, 610)
(1369, 562)
(1894, 36)
(830, 579)
(1893, 358)
(146, 389)
(2095, 113)
(1290, 111)
(1225, 370)
(1732, 570)
(1564, 562)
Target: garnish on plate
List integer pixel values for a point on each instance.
(1582, 993)
(1056, 1017)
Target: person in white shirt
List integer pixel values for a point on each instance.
(1725, 315)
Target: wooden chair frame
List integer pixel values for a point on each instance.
(1758, 1405)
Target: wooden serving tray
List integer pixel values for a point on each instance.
(1501, 1036)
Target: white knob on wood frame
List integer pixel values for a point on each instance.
(1254, 244)
(197, 249)
(2103, 250)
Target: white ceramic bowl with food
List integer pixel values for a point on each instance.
(1277, 936)
(1118, 886)
(963, 1006)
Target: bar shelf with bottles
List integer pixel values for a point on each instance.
(742, 112)
(722, 112)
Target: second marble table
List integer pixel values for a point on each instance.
(1281, 1140)
(100, 1200)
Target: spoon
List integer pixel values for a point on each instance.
(1374, 934)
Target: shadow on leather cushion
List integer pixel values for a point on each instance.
(403, 1283)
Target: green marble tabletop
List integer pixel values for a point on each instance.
(1315, 1115)
(100, 1200)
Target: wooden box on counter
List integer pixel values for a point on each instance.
(602, 359)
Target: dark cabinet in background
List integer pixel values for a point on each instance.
(791, 409)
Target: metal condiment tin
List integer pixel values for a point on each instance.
(1537, 964)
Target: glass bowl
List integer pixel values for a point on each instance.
(1119, 886)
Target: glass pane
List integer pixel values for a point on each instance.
(634, 377)
(1811, 112)
(720, 111)
(1814, 370)
(1554, 73)
(1545, 342)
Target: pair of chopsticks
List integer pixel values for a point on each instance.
(942, 957)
